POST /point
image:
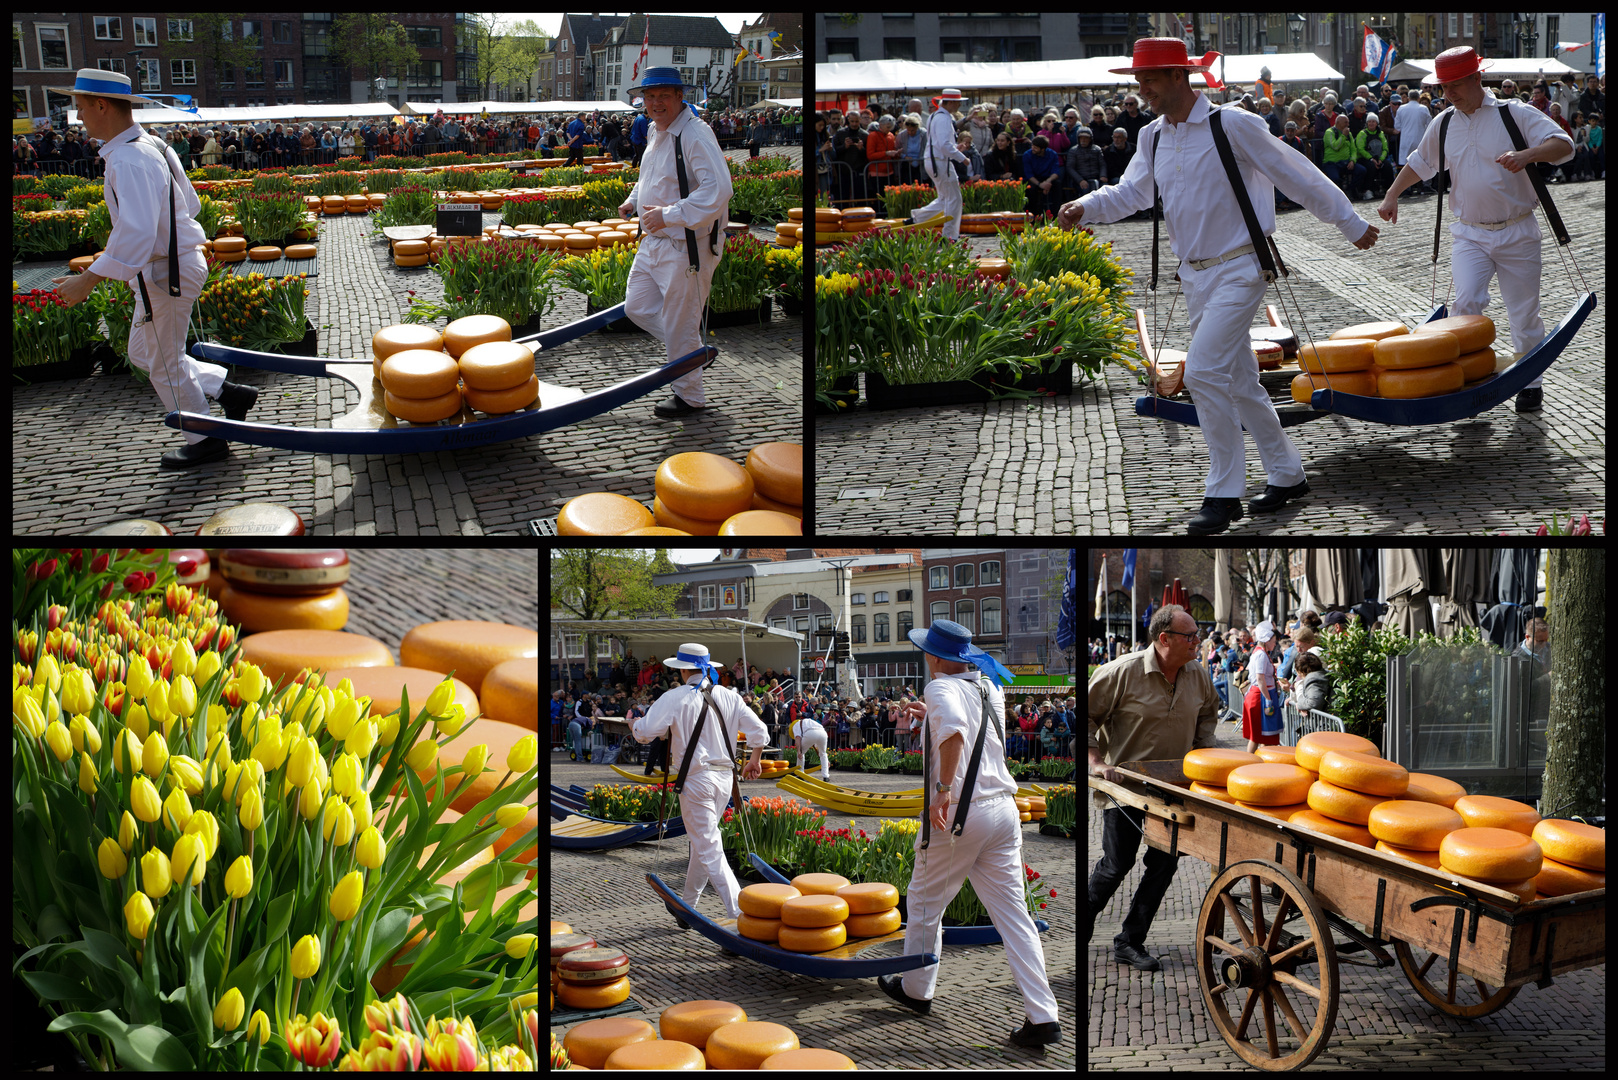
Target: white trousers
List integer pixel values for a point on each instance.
(1514, 254)
(158, 347)
(948, 202)
(667, 302)
(818, 743)
(701, 804)
(1223, 377)
(989, 851)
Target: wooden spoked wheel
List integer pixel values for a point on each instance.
(1448, 990)
(1267, 966)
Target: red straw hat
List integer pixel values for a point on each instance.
(1452, 64)
(1152, 53)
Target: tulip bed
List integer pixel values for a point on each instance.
(193, 846)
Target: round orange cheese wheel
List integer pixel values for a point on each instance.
(283, 653)
(1314, 745)
(257, 612)
(80, 263)
(223, 244)
(869, 897)
(1341, 804)
(419, 373)
(582, 225)
(601, 513)
(1267, 784)
(1337, 354)
(497, 402)
(656, 1054)
(1376, 331)
(1421, 382)
(613, 237)
(591, 1043)
(816, 939)
(764, 900)
(463, 334)
(511, 692)
(579, 241)
(704, 486)
(746, 1045)
(423, 410)
(1213, 791)
(387, 686)
(264, 254)
(1342, 830)
(1284, 755)
(550, 241)
(470, 647)
(693, 1021)
(1476, 365)
(873, 925)
(1421, 826)
(1281, 813)
(497, 365)
(1304, 385)
(1493, 812)
(761, 523)
(231, 256)
(761, 502)
(410, 260)
(1560, 879)
(756, 929)
(1572, 842)
(819, 884)
(1473, 332)
(818, 909)
(409, 247)
(1212, 764)
(498, 737)
(804, 1058)
(300, 251)
(777, 471)
(689, 525)
(656, 530)
(1425, 787)
(1415, 855)
(391, 339)
(1494, 855)
(1364, 773)
(1417, 350)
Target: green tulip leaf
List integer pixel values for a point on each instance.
(145, 1046)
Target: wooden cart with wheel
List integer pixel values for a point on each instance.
(1282, 895)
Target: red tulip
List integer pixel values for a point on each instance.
(313, 1042)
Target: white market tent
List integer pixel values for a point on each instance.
(1497, 68)
(924, 77)
(726, 638)
(507, 108)
(273, 114)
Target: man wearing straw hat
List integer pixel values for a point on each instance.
(1494, 230)
(942, 154)
(962, 725)
(708, 780)
(683, 197)
(156, 244)
(1219, 269)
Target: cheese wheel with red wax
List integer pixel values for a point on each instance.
(285, 571)
(257, 612)
(470, 647)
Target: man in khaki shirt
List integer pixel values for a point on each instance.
(1152, 705)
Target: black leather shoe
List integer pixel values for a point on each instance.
(892, 985)
(1128, 954)
(196, 453)
(1275, 497)
(237, 398)
(1215, 516)
(1529, 400)
(676, 407)
(1032, 1034)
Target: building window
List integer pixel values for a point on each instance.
(963, 575)
(989, 573)
(938, 610)
(966, 613)
(938, 577)
(879, 627)
(991, 617)
(857, 635)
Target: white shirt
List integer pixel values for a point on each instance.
(706, 172)
(138, 175)
(1410, 120)
(1198, 205)
(1481, 190)
(1261, 669)
(679, 709)
(955, 707)
(941, 148)
(805, 725)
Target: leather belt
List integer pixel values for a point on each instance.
(1496, 226)
(1203, 264)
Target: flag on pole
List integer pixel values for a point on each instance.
(1067, 620)
(644, 41)
(1377, 57)
(1101, 590)
(1129, 568)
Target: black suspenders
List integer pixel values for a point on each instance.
(174, 242)
(685, 190)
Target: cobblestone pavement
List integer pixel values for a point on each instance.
(390, 593)
(977, 1004)
(86, 453)
(1087, 465)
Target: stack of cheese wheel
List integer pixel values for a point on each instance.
(873, 908)
(421, 385)
(391, 339)
(1376, 331)
(1575, 857)
(1333, 809)
(1418, 365)
(601, 513)
(813, 923)
(698, 491)
(760, 919)
(231, 249)
(1207, 768)
(410, 253)
(691, 1022)
(777, 472)
(474, 330)
(1474, 335)
(283, 654)
(1354, 782)
(1425, 787)
(593, 978)
(1346, 360)
(858, 218)
(591, 1043)
(499, 376)
(1504, 858)
(828, 220)
(334, 204)
(1276, 786)
(358, 204)
(285, 589)
(748, 1044)
(1412, 829)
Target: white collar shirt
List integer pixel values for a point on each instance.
(1199, 207)
(138, 176)
(955, 707)
(941, 146)
(1481, 189)
(678, 709)
(707, 174)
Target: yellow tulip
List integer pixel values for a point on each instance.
(338, 823)
(259, 1026)
(208, 666)
(523, 753)
(309, 802)
(518, 946)
(110, 857)
(136, 719)
(48, 674)
(438, 701)
(422, 755)
(453, 719)
(176, 809)
(25, 709)
(156, 880)
(84, 734)
(472, 764)
(88, 777)
(372, 850)
(510, 815)
(251, 812)
(59, 741)
(126, 831)
(183, 696)
(250, 682)
(301, 762)
(346, 897)
(138, 915)
(239, 878)
(360, 804)
(228, 1013)
(361, 737)
(205, 827)
(143, 799)
(345, 774)
(305, 957)
(187, 860)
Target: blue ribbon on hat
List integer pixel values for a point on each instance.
(952, 641)
(703, 663)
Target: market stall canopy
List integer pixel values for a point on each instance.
(922, 77)
(511, 108)
(766, 646)
(254, 114)
(1504, 67)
